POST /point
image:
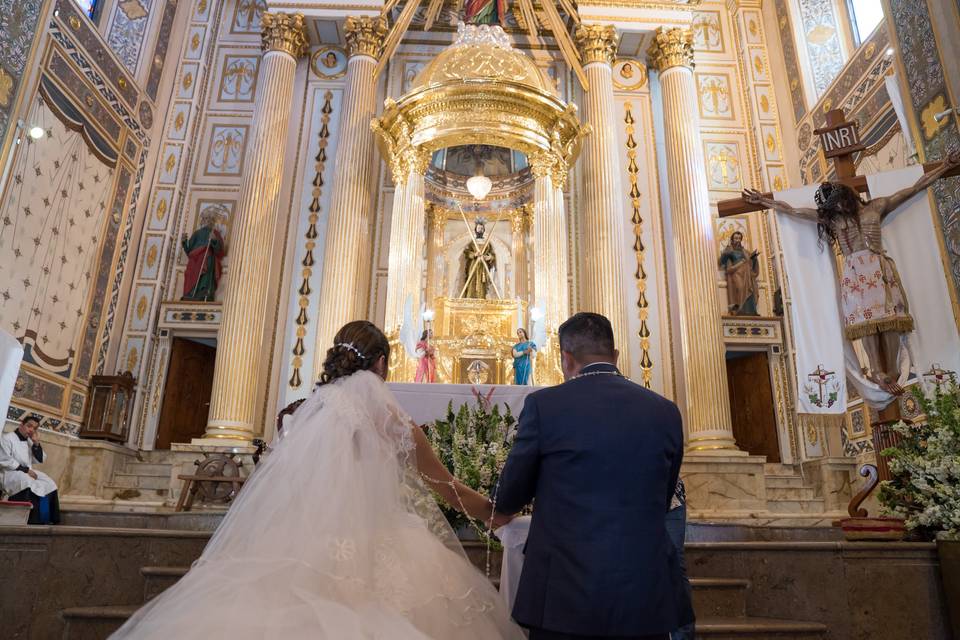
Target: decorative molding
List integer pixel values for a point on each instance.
(640, 275)
(284, 32)
(302, 320)
(597, 43)
(365, 35)
(671, 48)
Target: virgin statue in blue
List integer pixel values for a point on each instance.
(523, 354)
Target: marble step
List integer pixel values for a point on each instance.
(752, 628)
(805, 506)
(720, 596)
(778, 469)
(138, 481)
(791, 493)
(726, 597)
(96, 623)
(148, 468)
(784, 481)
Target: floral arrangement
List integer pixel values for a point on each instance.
(473, 443)
(925, 489)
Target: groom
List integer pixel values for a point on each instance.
(600, 455)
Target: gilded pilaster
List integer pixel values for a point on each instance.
(346, 261)
(240, 352)
(602, 240)
(519, 226)
(704, 367)
(436, 224)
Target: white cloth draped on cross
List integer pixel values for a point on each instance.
(825, 361)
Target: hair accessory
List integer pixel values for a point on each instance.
(350, 347)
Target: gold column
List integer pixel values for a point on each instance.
(407, 231)
(549, 241)
(345, 285)
(703, 368)
(601, 266)
(437, 222)
(519, 250)
(240, 351)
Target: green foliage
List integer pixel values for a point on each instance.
(473, 444)
(925, 489)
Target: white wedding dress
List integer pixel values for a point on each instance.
(333, 537)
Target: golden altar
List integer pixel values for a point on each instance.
(473, 339)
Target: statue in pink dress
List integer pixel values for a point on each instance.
(426, 359)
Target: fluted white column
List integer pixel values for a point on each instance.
(345, 285)
(407, 235)
(436, 222)
(704, 367)
(550, 266)
(240, 351)
(602, 239)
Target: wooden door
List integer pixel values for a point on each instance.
(186, 398)
(751, 404)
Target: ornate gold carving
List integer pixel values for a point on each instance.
(640, 275)
(671, 48)
(122, 83)
(283, 32)
(6, 85)
(597, 42)
(927, 119)
(365, 35)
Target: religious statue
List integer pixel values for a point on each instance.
(741, 268)
(872, 299)
(205, 250)
(523, 354)
(478, 372)
(491, 12)
(479, 264)
(426, 359)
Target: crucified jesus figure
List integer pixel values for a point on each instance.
(872, 299)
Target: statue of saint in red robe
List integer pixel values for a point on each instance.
(205, 250)
(492, 12)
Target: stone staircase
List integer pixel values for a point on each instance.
(720, 603)
(142, 481)
(790, 493)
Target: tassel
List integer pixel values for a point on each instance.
(305, 288)
(322, 156)
(302, 318)
(308, 259)
(318, 180)
(295, 380)
(312, 232)
(298, 349)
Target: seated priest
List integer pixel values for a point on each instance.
(19, 450)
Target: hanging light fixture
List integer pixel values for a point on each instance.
(479, 186)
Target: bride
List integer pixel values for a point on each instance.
(335, 536)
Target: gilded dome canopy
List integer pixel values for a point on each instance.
(479, 91)
(482, 53)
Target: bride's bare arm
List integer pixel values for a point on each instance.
(455, 493)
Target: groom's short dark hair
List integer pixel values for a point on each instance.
(587, 334)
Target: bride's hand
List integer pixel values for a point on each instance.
(500, 520)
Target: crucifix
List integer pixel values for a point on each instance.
(820, 377)
(877, 314)
(480, 252)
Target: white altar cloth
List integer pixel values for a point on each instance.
(428, 402)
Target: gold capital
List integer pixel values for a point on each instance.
(671, 48)
(547, 163)
(365, 35)
(597, 42)
(283, 32)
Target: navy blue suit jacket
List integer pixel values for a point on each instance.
(599, 456)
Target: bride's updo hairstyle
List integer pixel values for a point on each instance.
(356, 347)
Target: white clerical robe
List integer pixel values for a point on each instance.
(15, 453)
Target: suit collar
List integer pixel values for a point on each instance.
(599, 366)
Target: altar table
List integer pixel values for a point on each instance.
(428, 402)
